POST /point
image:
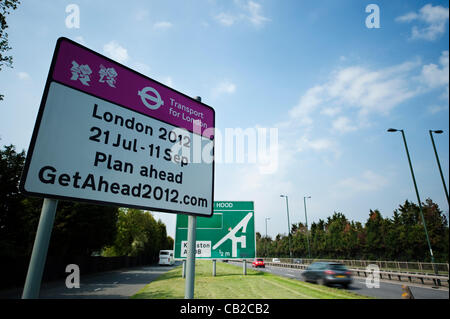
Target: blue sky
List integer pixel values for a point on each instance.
(311, 69)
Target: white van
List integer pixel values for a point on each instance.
(166, 257)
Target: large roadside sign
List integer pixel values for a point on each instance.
(228, 234)
(110, 135)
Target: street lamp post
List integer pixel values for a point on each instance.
(265, 246)
(306, 220)
(267, 218)
(417, 192)
(289, 224)
(437, 160)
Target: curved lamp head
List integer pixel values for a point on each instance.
(392, 130)
(438, 131)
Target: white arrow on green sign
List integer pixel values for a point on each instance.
(228, 234)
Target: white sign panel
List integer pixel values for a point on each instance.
(87, 148)
(202, 249)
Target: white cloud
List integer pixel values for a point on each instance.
(357, 88)
(116, 52)
(255, 14)
(226, 19)
(432, 19)
(435, 76)
(24, 76)
(224, 87)
(162, 25)
(331, 111)
(318, 145)
(372, 91)
(434, 109)
(407, 17)
(343, 125)
(367, 182)
(306, 105)
(250, 11)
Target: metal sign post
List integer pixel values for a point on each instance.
(40, 248)
(190, 259)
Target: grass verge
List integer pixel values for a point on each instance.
(230, 283)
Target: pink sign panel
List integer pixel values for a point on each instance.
(90, 72)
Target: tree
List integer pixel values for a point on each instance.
(138, 234)
(79, 229)
(5, 7)
(335, 230)
(170, 242)
(264, 246)
(11, 227)
(318, 235)
(163, 235)
(376, 233)
(410, 231)
(401, 237)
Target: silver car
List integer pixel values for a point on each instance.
(327, 273)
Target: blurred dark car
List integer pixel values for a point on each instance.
(327, 273)
(259, 262)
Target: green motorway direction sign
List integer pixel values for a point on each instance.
(229, 233)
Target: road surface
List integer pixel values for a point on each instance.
(124, 283)
(387, 289)
(118, 284)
